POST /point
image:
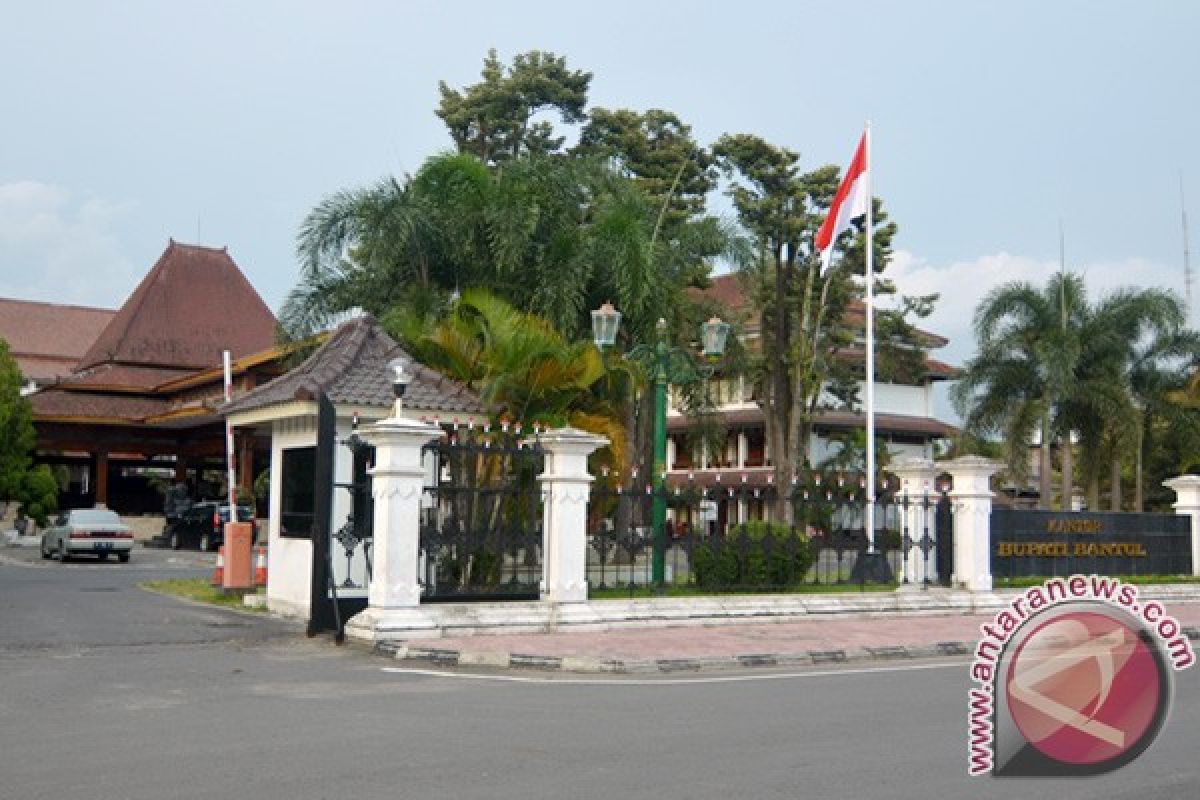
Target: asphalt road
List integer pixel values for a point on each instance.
(107, 691)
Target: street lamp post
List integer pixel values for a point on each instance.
(668, 364)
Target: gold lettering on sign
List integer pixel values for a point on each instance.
(1066, 525)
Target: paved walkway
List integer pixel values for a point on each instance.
(805, 641)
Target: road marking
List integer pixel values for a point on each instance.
(619, 681)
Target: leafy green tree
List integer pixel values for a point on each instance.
(808, 341)
(658, 151)
(494, 119)
(38, 494)
(16, 428)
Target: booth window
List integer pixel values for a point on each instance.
(298, 496)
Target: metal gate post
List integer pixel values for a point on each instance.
(566, 485)
(916, 490)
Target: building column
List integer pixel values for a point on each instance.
(972, 499)
(1187, 504)
(566, 486)
(397, 482)
(672, 447)
(743, 449)
(918, 510)
(101, 467)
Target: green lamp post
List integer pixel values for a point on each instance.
(667, 365)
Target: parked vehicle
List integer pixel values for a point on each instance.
(88, 531)
(203, 525)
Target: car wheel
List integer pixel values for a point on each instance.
(45, 552)
(123, 558)
(205, 542)
(61, 553)
(175, 543)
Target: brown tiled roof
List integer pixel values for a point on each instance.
(193, 304)
(57, 403)
(48, 339)
(121, 376)
(884, 423)
(727, 290)
(351, 367)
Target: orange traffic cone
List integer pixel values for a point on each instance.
(260, 567)
(218, 576)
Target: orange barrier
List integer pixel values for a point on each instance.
(218, 576)
(239, 556)
(260, 566)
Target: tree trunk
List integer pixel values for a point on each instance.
(1138, 499)
(1115, 499)
(1044, 485)
(1094, 490)
(1068, 474)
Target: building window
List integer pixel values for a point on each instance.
(298, 495)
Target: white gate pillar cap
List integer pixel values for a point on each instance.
(398, 442)
(567, 450)
(972, 475)
(916, 474)
(1187, 490)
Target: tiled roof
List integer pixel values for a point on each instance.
(351, 367)
(122, 376)
(727, 290)
(48, 339)
(81, 405)
(884, 423)
(193, 304)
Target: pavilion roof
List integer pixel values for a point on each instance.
(351, 368)
(193, 304)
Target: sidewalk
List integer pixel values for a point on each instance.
(730, 645)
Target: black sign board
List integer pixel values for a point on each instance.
(1050, 543)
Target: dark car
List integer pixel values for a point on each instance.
(203, 525)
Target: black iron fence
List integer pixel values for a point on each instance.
(743, 539)
(481, 517)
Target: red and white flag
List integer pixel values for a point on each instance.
(849, 202)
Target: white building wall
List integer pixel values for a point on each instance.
(289, 561)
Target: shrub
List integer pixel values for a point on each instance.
(754, 555)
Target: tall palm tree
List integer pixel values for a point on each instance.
(1050, 361)
(1029, 345)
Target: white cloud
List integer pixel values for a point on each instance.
(61, 247)
(963, 284)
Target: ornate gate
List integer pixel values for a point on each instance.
(481, 518)
(341, 556)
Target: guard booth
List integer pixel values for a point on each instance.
(319, 519)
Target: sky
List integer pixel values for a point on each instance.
(224, 123)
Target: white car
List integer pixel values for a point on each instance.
(88, 531)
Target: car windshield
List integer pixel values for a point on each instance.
(245, 513)
(94, 516)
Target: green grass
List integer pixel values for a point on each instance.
(1022, 583)
(201, 591)
(624, 593)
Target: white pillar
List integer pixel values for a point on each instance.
(566, 486)
(397, 482)
(672, 455)
(918, 501)
(972, 499)
(1187, 503)
(743, 449)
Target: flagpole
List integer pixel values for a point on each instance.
(870, 278)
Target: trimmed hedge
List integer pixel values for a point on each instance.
(754, 555)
